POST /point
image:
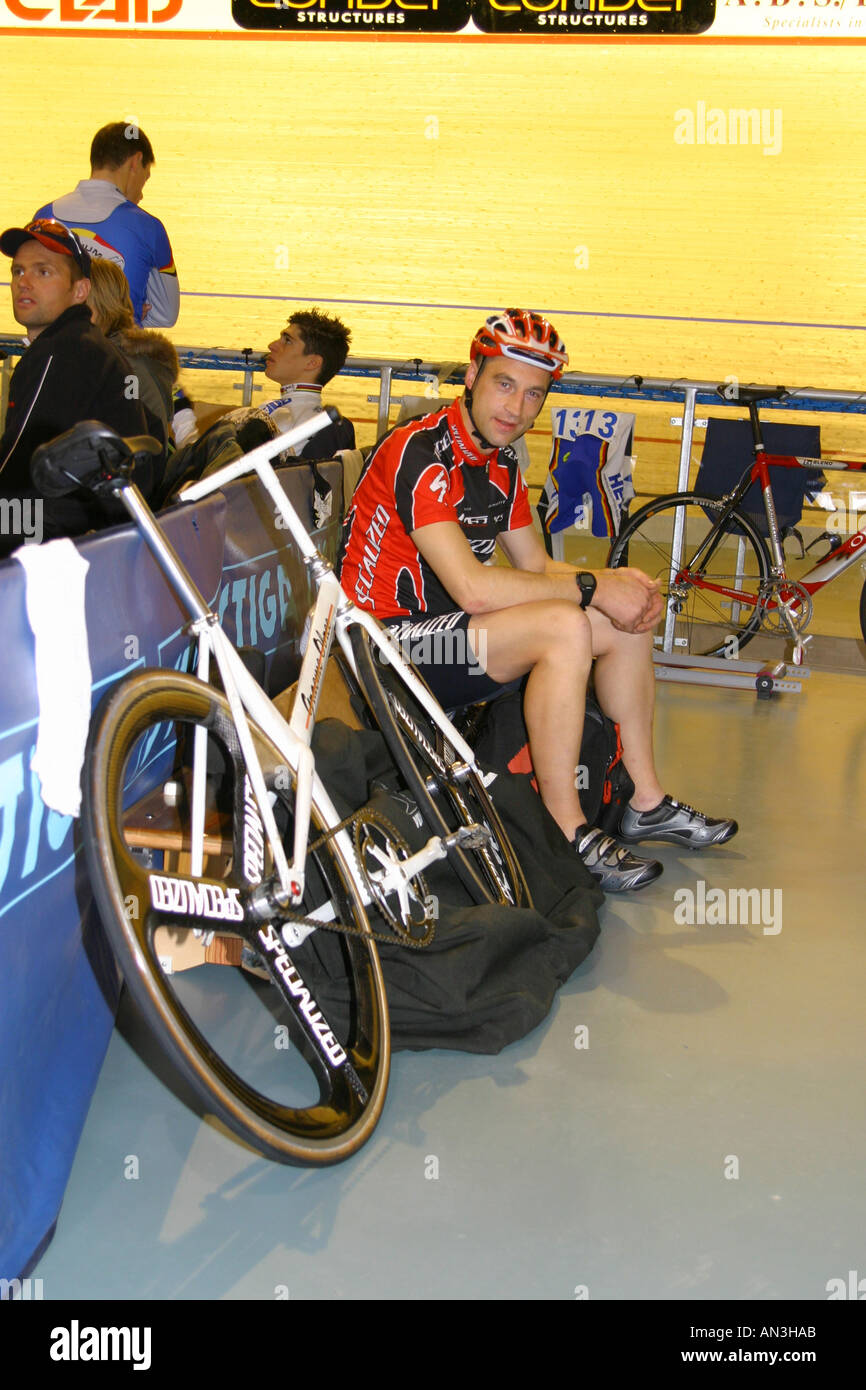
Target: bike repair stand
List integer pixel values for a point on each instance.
(765, 678)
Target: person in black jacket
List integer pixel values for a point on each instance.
(69, 373)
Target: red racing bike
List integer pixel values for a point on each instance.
(722, 581)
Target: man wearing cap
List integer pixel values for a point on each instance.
(104, 213)
(435, 499)
(69, 373)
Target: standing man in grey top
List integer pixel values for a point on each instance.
(104, 213)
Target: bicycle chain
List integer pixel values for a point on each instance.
(343, 927)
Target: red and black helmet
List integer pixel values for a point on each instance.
(523, 335)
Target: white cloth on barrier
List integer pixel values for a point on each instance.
(56, 574)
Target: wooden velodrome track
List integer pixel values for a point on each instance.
(413, 186)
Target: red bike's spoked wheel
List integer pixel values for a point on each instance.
(715, 605)
(290, 1050)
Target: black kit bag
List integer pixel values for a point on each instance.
(498, 734)
(491, 973)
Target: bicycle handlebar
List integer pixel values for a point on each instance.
(263, 453)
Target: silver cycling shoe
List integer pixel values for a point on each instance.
(675, 823)
(616, 869)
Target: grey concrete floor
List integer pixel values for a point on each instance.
(688, 1124)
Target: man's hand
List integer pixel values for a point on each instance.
(629, 598)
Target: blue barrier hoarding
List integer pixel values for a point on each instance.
(58, 985)
(265, 592)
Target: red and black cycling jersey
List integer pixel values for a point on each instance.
(420, 473)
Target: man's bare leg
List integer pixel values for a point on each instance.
(554, 642)
(625, 686)
(551, 640)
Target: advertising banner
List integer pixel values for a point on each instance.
(58, 983)
(471, 20)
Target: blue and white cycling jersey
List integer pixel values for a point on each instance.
(590, 473)
(295, 404)
(112, 227)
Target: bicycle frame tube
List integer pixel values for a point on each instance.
(838, 560)
(761, 471)
(299, 760)
(199, 762)
(834, 564)
(320, 639)
(230, 665)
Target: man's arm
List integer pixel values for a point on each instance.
(627, 597)
(162, 299)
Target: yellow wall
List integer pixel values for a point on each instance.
(320, 153)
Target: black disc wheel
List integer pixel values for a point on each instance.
(281, 1027)
(449, 795)
(712, 605)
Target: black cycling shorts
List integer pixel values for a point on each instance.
(439, 647)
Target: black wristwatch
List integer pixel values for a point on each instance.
(586, 583)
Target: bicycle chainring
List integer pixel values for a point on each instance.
(406, 905)
(783, 599)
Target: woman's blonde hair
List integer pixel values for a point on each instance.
(109, 297)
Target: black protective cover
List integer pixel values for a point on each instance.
(491, 973)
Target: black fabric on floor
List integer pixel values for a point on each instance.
(491, 973)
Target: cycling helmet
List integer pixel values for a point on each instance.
(524, 336)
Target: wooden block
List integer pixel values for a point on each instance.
(334, 702)
(179, 949)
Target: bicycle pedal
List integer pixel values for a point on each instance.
(469, 837)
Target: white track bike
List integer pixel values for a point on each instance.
(212, 842)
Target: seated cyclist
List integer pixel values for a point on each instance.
(311, 349)
(435, 498)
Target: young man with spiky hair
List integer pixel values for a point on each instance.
(311, 349)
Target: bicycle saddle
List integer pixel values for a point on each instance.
(744, 395)
(89, 455)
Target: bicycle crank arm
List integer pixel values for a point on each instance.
(399, 872)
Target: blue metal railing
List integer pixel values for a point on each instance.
(685, 391)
